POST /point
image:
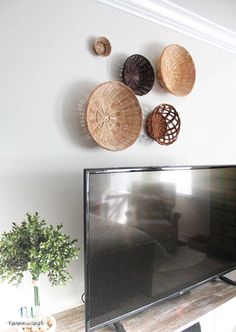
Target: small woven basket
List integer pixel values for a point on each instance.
(102, 46)
(113, 116)
(176, 70)
(163, 124)
(138, 74)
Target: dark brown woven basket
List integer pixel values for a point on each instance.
(138, 74)
(163, 124)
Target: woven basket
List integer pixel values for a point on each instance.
(102, 46)
(138, 74)
(113, 116)
(176, 70)
(163, 124)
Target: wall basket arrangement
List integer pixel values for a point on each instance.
(138, 74)
(163, 124)
(102, 46)
(176, 70)
(113, 116)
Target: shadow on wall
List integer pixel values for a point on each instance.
(152, 53)
(70, 114)
(90, 44)
(115, 66)
(144, 138)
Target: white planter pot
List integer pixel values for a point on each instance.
(51, 329)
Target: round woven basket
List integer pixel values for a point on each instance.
(138, 74)
(113, 116)
(102, 46)
(163, 124)
(176, 70)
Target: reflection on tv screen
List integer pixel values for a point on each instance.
(155, 233)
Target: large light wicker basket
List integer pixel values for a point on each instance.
(113, 116)
(176, 70)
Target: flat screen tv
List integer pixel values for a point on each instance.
(152, 233)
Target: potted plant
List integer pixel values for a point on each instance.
(40, 249)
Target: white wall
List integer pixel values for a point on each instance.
(47, 71)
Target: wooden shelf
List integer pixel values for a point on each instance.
(167, 316)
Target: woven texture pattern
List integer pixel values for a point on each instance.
(102, 46)
(176, 70)
(138, 74)
(113, 116)
(163, 124)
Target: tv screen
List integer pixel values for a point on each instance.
(154, 233)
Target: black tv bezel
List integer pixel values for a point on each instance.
(87, 172)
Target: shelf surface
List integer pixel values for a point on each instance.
(168, 316)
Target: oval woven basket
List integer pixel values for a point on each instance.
(102, 46)
(113, 116)
(163, 124)
(176, 70)
(138, 74)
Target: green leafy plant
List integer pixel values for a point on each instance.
(38, 248)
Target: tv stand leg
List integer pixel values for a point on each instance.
(227, 280)
(119, 327)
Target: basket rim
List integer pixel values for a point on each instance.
(139, 55)
(138, 106)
